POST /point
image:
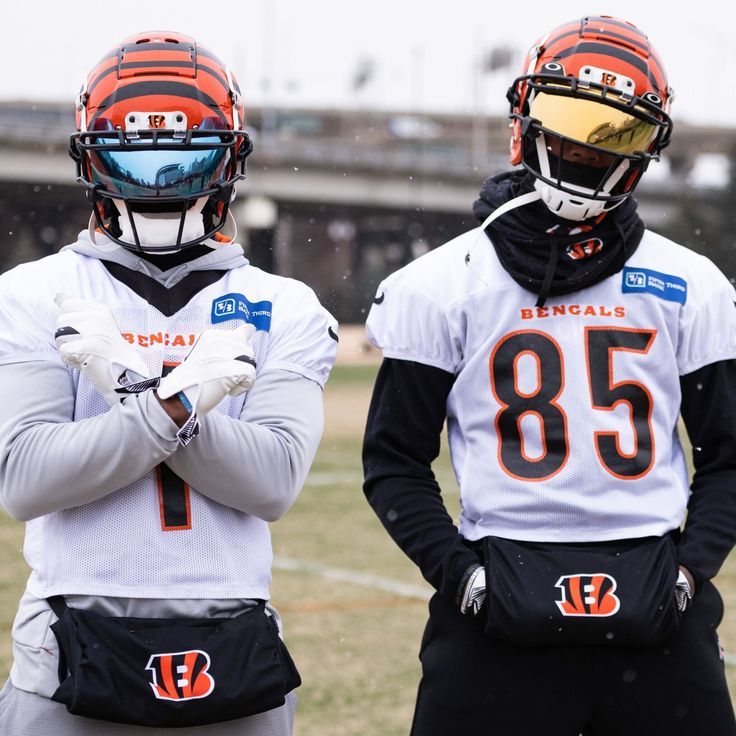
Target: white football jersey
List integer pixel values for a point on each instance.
(157, 537)
(562, 420)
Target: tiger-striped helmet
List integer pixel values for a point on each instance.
(160, 142)
(589, 114)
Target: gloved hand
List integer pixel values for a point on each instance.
(472, 592)
(89, 339)
(683, 591)
(220, 364)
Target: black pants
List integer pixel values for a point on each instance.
(474, 685)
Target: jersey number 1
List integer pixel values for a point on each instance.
(601, 343)
(173, 493)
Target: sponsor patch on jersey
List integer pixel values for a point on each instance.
(236, 306)
(645, 281)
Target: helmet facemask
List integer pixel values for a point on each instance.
(586, 147)
(161, 190)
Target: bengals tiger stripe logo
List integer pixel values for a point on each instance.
(608, 79)
(157, 120)
(585, 249)
(181, 675)
(588, 595)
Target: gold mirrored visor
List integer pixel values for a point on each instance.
(594, 123)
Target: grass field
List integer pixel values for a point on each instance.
(355, 642)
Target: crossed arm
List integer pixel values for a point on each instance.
(49, 462)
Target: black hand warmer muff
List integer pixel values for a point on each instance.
(170, 672)
(609, 593)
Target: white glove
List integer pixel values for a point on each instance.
(683, 592)
(472, 594)
(89, 339)
(220, 364)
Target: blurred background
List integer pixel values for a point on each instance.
(375, 125)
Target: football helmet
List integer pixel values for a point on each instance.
(589, 113)
(160, 142)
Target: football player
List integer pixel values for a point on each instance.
(160, 403)
(561, 341)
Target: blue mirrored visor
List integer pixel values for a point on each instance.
(152, 172)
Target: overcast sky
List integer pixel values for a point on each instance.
(296, 53)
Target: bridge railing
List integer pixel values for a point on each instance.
(47, 128)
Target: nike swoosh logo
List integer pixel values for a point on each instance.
(379, 299)
(65, 332)
(333, 334)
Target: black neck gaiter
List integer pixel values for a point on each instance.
(548, 255)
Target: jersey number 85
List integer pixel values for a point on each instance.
(601, 344)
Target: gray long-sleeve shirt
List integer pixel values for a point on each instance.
(48, 462)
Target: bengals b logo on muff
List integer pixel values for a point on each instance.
(588, 595)
(181, 675)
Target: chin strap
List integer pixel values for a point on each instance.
(91, 227)
(512, 204)
(225, 239)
